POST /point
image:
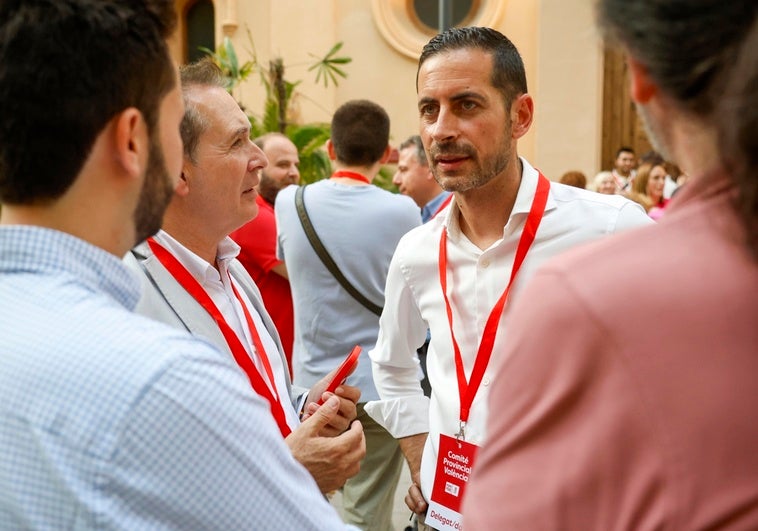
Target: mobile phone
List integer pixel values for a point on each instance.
(344, 370)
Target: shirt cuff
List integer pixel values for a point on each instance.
(401, 417)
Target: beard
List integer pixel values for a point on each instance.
(268, 188)
(484, 170)
(155, 195)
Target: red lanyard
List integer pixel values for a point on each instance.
(443, 205)
(351, 175)
(467, 390)
(193, 287)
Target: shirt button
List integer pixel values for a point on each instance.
(485, 263)
(485, 381)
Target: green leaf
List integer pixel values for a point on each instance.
(334, 49)
(232, 57)
(271, 116)
(325, 67)
(309, 137)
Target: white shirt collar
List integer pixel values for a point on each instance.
(198, 267)
(521, 207)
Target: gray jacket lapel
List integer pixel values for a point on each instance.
(164, 299)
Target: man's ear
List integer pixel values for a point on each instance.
(132, 142)
(330, 150)
(642, 87)
(522, 115)
(182, 185)
(386, 155)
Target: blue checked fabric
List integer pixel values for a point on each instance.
(111, 421)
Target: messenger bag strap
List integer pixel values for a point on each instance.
(323, 254)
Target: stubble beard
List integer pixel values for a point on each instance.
(155, 195)
(269, 188)
(482, 173)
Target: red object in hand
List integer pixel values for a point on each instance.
(344, 371)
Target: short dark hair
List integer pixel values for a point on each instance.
(360, 132)
(202, 73)
(738, 134)
(67, 68)
(624, 149)
(415, 142)
(685, 45)
(508, 74)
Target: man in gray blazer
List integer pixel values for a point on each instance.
(193, 281)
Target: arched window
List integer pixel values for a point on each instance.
(408, 24)
(426, 13)
(200, 28)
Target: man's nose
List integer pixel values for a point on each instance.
(445, 127)
(258, 159)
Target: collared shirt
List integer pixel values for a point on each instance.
(476, 280)
(430, 209)
(109, 420)
(623, 184)
(217, 283)
(353, 224)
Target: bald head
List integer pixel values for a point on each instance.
(283, 165)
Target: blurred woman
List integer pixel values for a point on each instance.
(649, 182)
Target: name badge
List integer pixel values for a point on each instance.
(454, 463)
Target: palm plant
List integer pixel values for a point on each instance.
(277, 108)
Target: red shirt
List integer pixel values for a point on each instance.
(258, 242)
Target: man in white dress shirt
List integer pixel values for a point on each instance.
(473, 107)
(192, 260)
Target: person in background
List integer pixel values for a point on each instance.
(359, 225)
(109, 420)
(414, 179)
(623, 170)
(605, 183)
(651, 157)
(574, 178)
(673, 172)
(192, 281)
(632, 425)
(451, 275)
(649, 182)
(257, 238)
